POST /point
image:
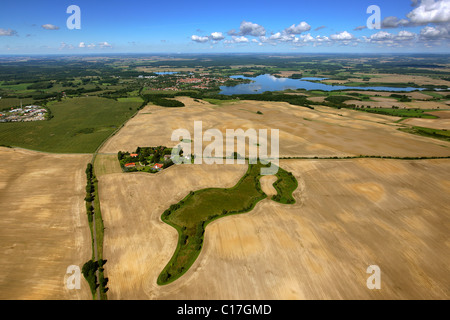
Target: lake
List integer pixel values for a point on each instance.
(165, 72)
(268, 82)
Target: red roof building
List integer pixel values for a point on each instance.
(130, 165)
(133, 155)
(157, 166)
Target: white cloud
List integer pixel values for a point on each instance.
(343, 36)
(307, 38)
(7, 33)
(381, 36)
(104, 45)
(217, 36)
(50, 27)
(298, 29)
(405, 36)
(434, 33)
(394, 22)
(239, 39)
(384, 38)
(430, 11)
(251, 29)
(199, 39)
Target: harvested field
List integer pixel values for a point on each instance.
(442, 123)
(44, 227)
(303, 132)
(419, 80)
(267, 185)
(317, 99)
(412, 95)
(349, 214)
(137, 244)
(395, 78)
(384, 103)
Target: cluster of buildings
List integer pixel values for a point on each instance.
(204, 81)
(156, 166)
(23, 114)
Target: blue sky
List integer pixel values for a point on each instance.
(28, 27)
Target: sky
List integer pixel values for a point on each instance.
(150, 26)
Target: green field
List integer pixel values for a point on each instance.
(404, 113)
(219, 102)
(79, 125)
(428, 132)
(192, 214)
(14, 102)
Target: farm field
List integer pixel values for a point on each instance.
(389, 78)
(43, 225)
(136, 201)
(303, 132)
(79, 126)
(358, 186)
(348, 214)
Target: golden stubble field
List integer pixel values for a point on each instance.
(43, 225)
(303, 132)
(137, 244)
(349, 214)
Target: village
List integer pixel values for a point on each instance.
(174, 81)
(24, 114)
(148, 159)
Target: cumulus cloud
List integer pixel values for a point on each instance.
(104, 45)
(343, 36)
(381, 36)
(401, 39)
(82, 45)
(430, 11)
(214, 37)
(240, 39)
(394, 22)
(249, 29)
(7, 33)
(217, 36)
(298, 29)
(199, 39)
(405, 36)
(50, 27)
(281, 36)
(435, 33)
(425, 12)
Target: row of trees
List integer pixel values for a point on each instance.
(90, 268)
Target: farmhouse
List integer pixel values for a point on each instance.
(133, 155)
(157, 166)
(130, 165)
